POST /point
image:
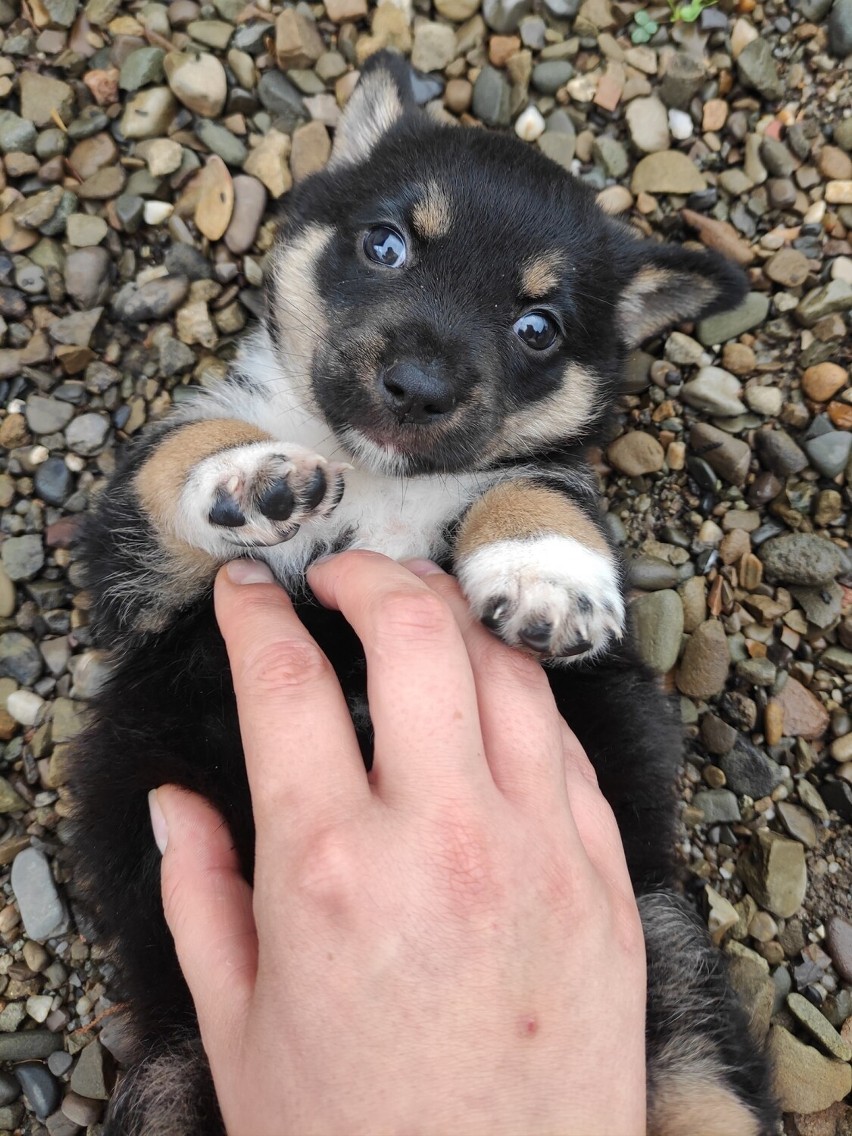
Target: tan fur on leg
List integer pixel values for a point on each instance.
(520, 509)
(689, 1104)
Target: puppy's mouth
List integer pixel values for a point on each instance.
(405, 452)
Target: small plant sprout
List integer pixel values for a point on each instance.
(689, 12)
(645, 28)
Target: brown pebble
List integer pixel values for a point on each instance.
(738, 358)
(773, 722)
(458, 95)
(704, 667)
(216, 199)
(636, 453)
(822, 381)
(715, 114)
(834, 164)
(501, 48)
(840, 414)
(788, 268)
(750, 571)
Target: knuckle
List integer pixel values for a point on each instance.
(465, 865)
(285, 664)
(325, 871)
(419, 616)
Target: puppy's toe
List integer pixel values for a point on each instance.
(550, 595)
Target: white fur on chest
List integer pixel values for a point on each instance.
(401, 517)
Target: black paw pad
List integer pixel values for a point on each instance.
(277, 501)
(536, 636)
(225, 511)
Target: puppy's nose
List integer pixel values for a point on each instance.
(415, 395)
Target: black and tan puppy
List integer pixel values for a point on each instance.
(449, 314)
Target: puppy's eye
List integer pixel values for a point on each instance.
(536, 330)
(385, 246)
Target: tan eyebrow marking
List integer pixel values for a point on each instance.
(541, 274)
(432, 215)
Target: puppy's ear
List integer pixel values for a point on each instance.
(383, 95)
(666, 284)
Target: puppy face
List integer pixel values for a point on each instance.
(449, 298)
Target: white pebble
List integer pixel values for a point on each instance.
(680, 124)
(75, 463)
(155, 212)
(16, 406)
(39, 455)
(39, 1006)
(24, 706)
(529, 124)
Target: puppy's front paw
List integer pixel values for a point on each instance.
(260, 494)
(552, 595)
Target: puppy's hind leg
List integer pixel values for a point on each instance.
(168, 1093)
(706, 1074)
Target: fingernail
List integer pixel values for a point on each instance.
(249, 572)
(423, 567)
(158, 822)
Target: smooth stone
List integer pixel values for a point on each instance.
(836, 296)
(81, 1110)
(647, 121)
(221, 142)
(797, 823)
(282, 100)
(10, 1090)
(148, 114)
(17, 135)
(40, 1088)
(141, 68)
(198, 80)
(704, 667)
(549, 76)
(840, 29)
(658, 620)
(42, 910)
(93, 1073)
(84, 230)
(715, 391)
(47, 415)
(804, 716)
(829, 453)
(249, 205)
(780, 453)
(23, 556)
(668, 171)
(491, 97)
(28, 1045)
(19, 657)
(728, 325)
(801, 558)
(87, 276)
(42, 97)
(727, 456)
(773, 869)
(87, 433)
(839, 946)
(757, 69)
(504, 16)
(53, 481)
(636, 453)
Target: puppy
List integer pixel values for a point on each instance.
(448, 319)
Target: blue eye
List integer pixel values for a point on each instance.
(536, 330)
(386, 246)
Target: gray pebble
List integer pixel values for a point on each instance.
(129, 209)
(610, 154)
(93, 1073)
(728, 325)
(800, 558)
(87, 276)
(10, 1090)
(491, 97)
(836, 296)
(504, 16)
(28, 1045)
(840, 29)
(23, 556)
(221, 141)
(141, 68)
(777, 158)
(81, 1110)
(652, 573)
(780, 453)
(757, 672)
(11, 1115)
(658, 620)
(87, 433)
(53, 481)
(715, 391)
(16, 134)
(282, 100)
(42, 910)
(748, 771)
(719, 806)
(153, 301)
(682, 80)
(549, 76)
(47, 415)
(19, 658)
(757, 69)
(830, 452)
(40, 1087)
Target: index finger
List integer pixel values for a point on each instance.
(302, 756)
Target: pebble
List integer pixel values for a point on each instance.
(717, 806)
(829, 453)
(42, 911)
(28, 1045)
(215, 200)
(491, 97)
(23, 556)
(434, 46)
(81, 1110)
(715, 391)
(87, 276)
(249, 205)
(148, 114)
(658, 621)
(648, 123)
(757, 69)
(152, 301)
(801, 558)
(774, 871)
(10, 1090)
(787, 267)
(42, 97)
(40, 1088)
(840, 29)
(47, 415)
(838, 943)
(822, 381)
(748, 771)
(727, 456)
(19, 657)
(530, 124)
(803, 714)
(780, 453)
(728, 325)
(93, 1074)
(805, 1080)
(797, 823)
(198, 80)
(703, 669)
(668, 171)
(24, 706)
(636, 453)
(819, 1027)
(836, 296)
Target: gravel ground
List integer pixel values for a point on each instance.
(144, 148)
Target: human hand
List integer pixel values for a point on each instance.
(449, 944)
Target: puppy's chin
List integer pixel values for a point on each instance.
(393, 458)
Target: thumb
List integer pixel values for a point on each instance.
(208, 907)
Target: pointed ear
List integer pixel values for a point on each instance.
(382, 96)
(667, 284)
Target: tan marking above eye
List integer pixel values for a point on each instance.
(542, 274)
(431, 217)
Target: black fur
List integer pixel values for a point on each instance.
(167, 712)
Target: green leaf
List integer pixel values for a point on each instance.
(640, 35)
(642, 19)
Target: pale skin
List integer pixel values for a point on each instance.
(448, 945)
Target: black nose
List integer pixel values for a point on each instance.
(415, 395)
